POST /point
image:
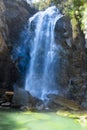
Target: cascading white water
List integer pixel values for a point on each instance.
(40, 77)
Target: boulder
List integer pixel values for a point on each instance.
(21, 97)
(24, 99)
(6, 104)
(84, 104)
(64, 102)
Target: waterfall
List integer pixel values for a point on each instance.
(44, 60)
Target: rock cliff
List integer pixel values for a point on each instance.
(73, 75)
(13, 16)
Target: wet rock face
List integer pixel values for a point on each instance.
(13, 15)
(78, 79)
(63, 32)
(63, 37)
(74, 64)
(78, 63)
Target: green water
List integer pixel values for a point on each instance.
(36, 121)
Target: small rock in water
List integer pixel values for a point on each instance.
(21, 97)
(24, 108)
(84, 104)
(40, 107)
(0, 106)
(6, 104)
(1, 102)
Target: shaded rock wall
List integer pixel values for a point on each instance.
(63, 36)
(13, 15)
(78, 64)
(73, 73)
(16, 14)
(78, 80)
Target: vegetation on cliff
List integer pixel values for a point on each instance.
(75, 9)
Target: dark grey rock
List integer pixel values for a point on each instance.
(21, 97)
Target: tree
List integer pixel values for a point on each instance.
(75, 9)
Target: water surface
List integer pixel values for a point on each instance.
(36, 121)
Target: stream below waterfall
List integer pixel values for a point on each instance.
(11, 120)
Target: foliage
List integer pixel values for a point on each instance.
(84, 17)
(43, 4)
(72, 8)
(75, 9)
